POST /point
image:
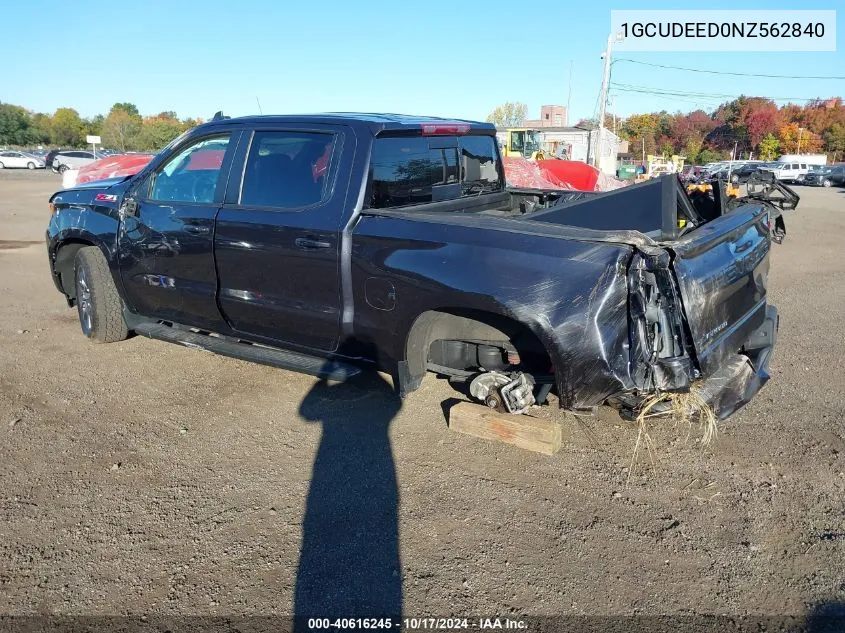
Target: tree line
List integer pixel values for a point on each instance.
(123, 128)
(753, 126)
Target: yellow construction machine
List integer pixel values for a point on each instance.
(524, 142)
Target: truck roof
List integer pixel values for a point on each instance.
(375, 122)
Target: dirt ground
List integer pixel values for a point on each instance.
(147, 478)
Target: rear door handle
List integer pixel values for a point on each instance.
(305, 242)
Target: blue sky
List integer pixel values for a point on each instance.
(451, 58)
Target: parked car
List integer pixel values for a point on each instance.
(789, 172)
(741, 174)
(691, 173)
(63, 160)
(11, 159)
(826, 176)
(330, 243)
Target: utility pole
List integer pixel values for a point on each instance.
(643, 140)
(603, 99)
(613, 107)
(800, 129)
(569, 94)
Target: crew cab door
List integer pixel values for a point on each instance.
(278, 235)
(166, 235)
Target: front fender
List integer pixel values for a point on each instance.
(82, 225)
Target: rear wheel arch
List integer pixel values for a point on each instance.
(463, 325)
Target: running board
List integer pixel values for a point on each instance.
(294, 361)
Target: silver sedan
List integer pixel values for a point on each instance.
(22, 160)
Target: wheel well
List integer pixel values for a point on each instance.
(468, 325)
(63, 265)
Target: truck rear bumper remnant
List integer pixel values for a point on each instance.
(744, 374)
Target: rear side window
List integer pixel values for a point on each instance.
(416, 170)
(287, 170)
(479, 166)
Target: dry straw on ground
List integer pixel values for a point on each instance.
(683, 408)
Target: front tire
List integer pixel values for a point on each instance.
(826, 183)
(30, 165)
(97, 301)
(2, 166)
(63, 168)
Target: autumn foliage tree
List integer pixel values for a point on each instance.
(510, 114)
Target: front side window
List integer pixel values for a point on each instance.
(192, 174)
(287, 170)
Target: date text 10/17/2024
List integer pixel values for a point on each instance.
(417, 624)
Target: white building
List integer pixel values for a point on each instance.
(581, 144)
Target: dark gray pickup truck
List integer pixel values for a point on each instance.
(331, 243)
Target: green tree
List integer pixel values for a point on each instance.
(769, 147)
(834, 138)
(708, 156)
(692, 148)
(67, 129)
(187, 124)
(157, 131)
(42, 128)
(510, 114)
(94, 125)
(15, 125)
(130, 108)
(121, 130)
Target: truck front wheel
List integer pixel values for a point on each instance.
(97, 301)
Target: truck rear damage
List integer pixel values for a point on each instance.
(698, 316)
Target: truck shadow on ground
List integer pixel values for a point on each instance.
(349, 564)
(828, 617)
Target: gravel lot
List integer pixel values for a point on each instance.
(146, 478)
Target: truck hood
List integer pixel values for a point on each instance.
(87, 192)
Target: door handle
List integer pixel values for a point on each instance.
(305, 242)
(197, 230)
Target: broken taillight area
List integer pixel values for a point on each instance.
(660, 359)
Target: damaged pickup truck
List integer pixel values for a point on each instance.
(331, 243)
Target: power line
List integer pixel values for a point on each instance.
(725, 72)
(713, 96)
(697, 102)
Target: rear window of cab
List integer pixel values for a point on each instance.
(420, 169)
